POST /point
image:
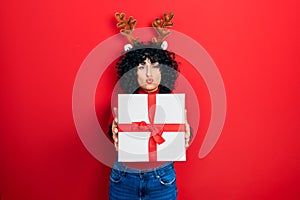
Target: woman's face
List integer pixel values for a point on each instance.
(148, 75)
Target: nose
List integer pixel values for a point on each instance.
(149, 71)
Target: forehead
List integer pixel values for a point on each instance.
(149, 57)
(148, 60)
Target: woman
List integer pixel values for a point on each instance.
(142, 70)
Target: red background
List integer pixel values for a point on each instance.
(255, 45)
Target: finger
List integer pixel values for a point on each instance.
(187, 144)
(185, 116)
(115, 139)
(114, 126)
(116, 146)
(187, 140)
(115, 120)
(115, 111)
(187, 136)
(115, 130)
(115, 136)
(188, 130)
(116, 114)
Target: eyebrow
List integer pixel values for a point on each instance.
(143, 63)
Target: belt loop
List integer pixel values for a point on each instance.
(140, 173)
(156, 173)
(124, 170)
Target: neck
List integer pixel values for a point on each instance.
(141, 91)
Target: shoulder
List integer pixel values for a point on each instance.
(165, 90)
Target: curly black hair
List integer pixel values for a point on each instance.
(127, 67)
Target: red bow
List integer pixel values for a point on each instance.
(155, 129)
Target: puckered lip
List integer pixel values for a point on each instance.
(149, 80)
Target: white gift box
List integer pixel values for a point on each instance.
(133, 144)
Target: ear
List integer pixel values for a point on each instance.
(127, 47)
(164, 45)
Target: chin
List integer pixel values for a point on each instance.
(149, 89)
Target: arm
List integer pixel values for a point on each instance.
(188, 132)
(114, 129)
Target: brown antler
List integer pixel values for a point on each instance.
(161, 25)
(126, 25)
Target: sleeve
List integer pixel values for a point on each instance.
(110, 132)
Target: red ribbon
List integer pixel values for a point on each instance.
(155, 129)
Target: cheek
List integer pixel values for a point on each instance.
(139, 78)
(158, 76)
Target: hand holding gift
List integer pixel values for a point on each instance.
(187, 135)
(114, 128)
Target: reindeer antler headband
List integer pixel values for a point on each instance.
(160, 25)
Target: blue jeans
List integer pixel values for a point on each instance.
(132, 184)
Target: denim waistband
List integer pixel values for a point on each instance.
(154, 171)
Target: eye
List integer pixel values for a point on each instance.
(155, 65)
(141, 67)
